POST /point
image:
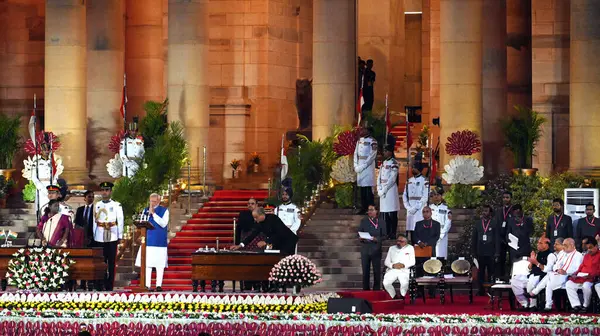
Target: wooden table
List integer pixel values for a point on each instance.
(89, 264)
(232, 265)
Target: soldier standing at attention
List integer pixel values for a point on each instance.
(387, 189)
(108, 230)
(443, 215)
(132, 150)
(364, 166)
(415, 197)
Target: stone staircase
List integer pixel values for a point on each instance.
(330, 240)
(19, 217)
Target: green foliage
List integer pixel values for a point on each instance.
(462, 248)
(463, 196)
(344, 195)
(29, 192)
(492, 195)
(309, 165)
(522, 132)
(3, 186)
(165, 156)
(9, 139)
(378, 125)
(423, 139)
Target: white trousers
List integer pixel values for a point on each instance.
(573, 295)
(393, 275)
(160, 271)
(521, 283)
(550, 282)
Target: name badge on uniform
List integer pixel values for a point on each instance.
(110, 209)
(289, 210)
(504, 224)
(484, 237)
(418, 183)
(442, 211)
(555, 233)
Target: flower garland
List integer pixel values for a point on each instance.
(42, 269)
(343, 170)
(115, 167)
(295, 270)
(463, 170)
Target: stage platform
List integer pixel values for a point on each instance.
(226, 314)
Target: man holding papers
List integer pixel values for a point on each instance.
(399, 260)
(371, 234)
(567, 264)
(583, 278)
(518, 234)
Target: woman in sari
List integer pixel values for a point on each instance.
(54, 228)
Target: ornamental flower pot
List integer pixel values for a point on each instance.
(529, 172)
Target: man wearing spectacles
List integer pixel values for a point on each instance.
(400, 258)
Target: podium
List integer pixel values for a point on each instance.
(143, 226)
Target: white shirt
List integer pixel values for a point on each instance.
(552, 258)
(289, 215)
(387, 186)
(364, 161)
(109, 212)
(569, 262)
(405, 255)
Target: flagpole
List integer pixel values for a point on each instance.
(38, 154)
(125, 120)
(407, 145)
(387, 120)
(430, 158)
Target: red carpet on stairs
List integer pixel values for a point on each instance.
(214, 219)
(399, 131)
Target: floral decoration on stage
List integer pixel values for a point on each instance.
(44, 169)
(464, 170)
(41, 269)
(40, 138)
(343, 170)
(346, 142)
(115, 167)
(463, 143)
(295, 270)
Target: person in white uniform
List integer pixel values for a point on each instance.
(288, 212)
(565, 266)
(156, 242)
(400, 258)
(442, 214)
(387, 189)
(53, 193)
(108, 230)
(364, 166)
(539, 264)
(415, 197)
(132, 150)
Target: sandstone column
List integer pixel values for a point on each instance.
(585, 86)
(518, 53)
(494, 83)
(334, 65)
(187, 81)
(65, 83)
(460, 69)
(105, 43)
(144, 57)
(550, 82)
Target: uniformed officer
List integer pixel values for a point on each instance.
(53, 193)
(364, 166)
(415, 197)
(387, 189)
(108, 229)
(132, 150)
(442, 214)
(288, 212)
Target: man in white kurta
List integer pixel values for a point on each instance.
(565, 266)
(288, 212)
(131, 151)
(442, 214)
(364, 166)
(108, 230)
(400, 258)
(156, 242)
(387, 189)
(415, 197)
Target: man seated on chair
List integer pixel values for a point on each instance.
(539, 265)
(400, 258)
(583, 278)
(566, 265)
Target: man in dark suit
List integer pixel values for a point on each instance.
(587, 226)
(520, 226)
(483, 246)
(278, 235)
(427, 231)
(370, 250)
(243, 228)
(558, 225)
(84, 221)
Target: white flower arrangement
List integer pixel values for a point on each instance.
(463, 170)
(42, 269)
(44, 168)
(295, 270)
(343, 170)
(115, 167)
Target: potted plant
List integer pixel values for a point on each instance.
(9, 143)
(255, 161)
(235, 165)
(3, 191)
(522, 133)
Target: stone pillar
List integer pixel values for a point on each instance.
(585, 86)
(334, 65)
(494, 84)
(105, 43)
(460, 69)
(144, 58)
(550, 82)
(187, 81)
(65, 84)
(518, 53)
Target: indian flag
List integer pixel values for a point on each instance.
(2, 234)
(12, 235)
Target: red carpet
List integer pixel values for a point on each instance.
(214, 220)
(399, 132)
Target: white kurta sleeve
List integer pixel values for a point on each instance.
(550, 263)
(388, 258)
(162, 221)
(120, 222)
(411, 257)
(577, 260)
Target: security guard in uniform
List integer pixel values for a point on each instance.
(364, 166)
(108, 230)
(415, 196)
(387, 189)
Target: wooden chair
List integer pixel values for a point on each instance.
(461, 271)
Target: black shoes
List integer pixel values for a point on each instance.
(159, 289)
